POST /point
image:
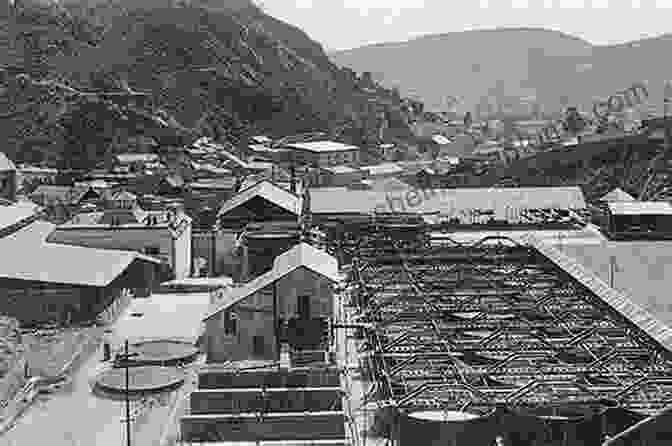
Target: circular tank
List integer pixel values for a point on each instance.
(140, 379)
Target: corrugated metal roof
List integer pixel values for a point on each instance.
(441, 140)
(343, 169)
(136, 157)
(11, 215)
(383, 169)
(640, 208)
(65, 194)
(32, 258)
(322, 146)
(615, 299)
(267, 190)
(616, 195)
(6, 163)
(445, 201)
(301, 255)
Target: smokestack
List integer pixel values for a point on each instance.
(292, 181)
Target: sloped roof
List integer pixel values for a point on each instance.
(441, 140)
(640, 208)
(124, 196)
(14, 214)
(301, 255)
(389, 184)
(615, 195)
(340, 169)
(268, 191)
(65, 194)
(137, 157)
(445, 201)
(38, 260)
(6, 163)
(617, 300)
(383, 169)
(322, 146)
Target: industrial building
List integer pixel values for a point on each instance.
(165, 235)
(500, 341)
(292, 303)
(324, 153)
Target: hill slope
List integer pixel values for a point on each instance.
(193, 69)
(482, 65)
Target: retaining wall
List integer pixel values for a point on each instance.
(211, 379)
(290, 426)
(274, 400)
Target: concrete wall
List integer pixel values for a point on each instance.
(212, 379)
(132, 239)
(37, 302)
(8, 185)
(328, 425)
(182, 251)
(256, 316)
(224, 262)
(255, 400)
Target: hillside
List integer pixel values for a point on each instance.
(482, 65)
(171, 71)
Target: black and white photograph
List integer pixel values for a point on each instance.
(335, 223)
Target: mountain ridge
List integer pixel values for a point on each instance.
(505, 64)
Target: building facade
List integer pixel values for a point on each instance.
(324, 153)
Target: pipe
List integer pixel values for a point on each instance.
(625, 436)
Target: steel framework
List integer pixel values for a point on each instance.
(469, 327)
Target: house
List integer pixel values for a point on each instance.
(264, 201)
(640, 219)
(165, 235)
(324, 153)
(8, 180)
(135, 162)
(46, 282)
(28, 176)
(290, 304)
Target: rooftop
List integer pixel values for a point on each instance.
(322, 146)
(616, 195)
(301, 255)
(42, 261)
(268, 191)
(640, 208)
(6, 163)
(16, 213)
(445, 201)
(165, 316)
(383, 169)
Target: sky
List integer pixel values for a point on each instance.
(344, 24)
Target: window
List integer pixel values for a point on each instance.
(304, 307)
(230, 323)
(152, 250)
(258, 345)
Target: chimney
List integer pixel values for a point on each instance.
(292, 180)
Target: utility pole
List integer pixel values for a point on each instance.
(125, 357)
(613, 267)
